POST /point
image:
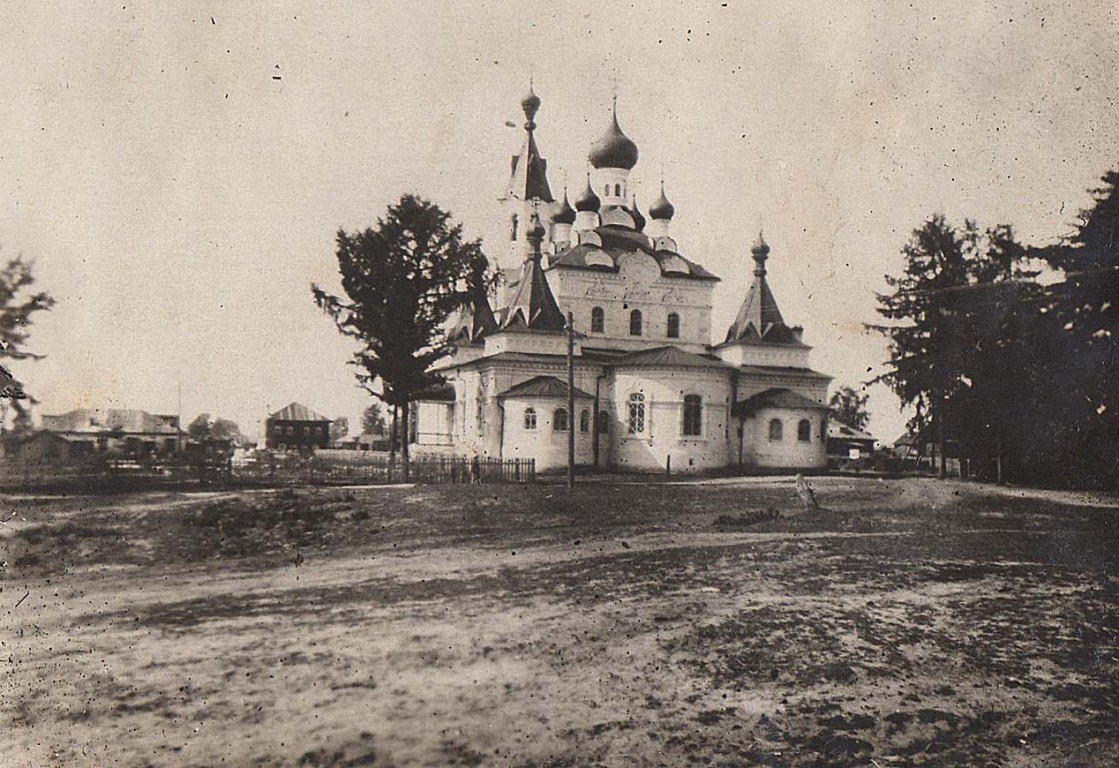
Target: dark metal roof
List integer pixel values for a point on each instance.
(297, 412)
(543, 386)
(784, 370)
(534, 306)
(777, 397)
(616, 242)
(759, 320)
(667, 357)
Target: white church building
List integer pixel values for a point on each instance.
(653, 387)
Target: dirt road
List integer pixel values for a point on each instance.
(907, 623)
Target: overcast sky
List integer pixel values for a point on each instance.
(179, 174)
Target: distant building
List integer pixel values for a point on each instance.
(844, 441)
(297, 428)
(45, 449)
(126, 430)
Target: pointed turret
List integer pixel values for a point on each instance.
(533, 306)
(529, 179)
(759, 319)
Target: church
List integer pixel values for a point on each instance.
(653, 387)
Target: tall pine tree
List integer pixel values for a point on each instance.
(402, 280)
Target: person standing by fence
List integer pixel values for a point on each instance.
(475, 469)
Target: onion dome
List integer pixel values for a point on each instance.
(761, 247)
(562, 212)
(536, 230)
(588, 200)
(614, 149)
(530, 103)
(638, 219)
(662, 209)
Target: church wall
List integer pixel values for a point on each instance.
(758, 450)
(434, 423)
(544, 443)
(580, 291)
(663, 436)
(760, 354)
(750, 384)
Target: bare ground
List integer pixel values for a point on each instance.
(909, 622)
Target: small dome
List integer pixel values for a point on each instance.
(761, 247)
(614, 149)
(588, 200)
(638, 219)
(661, 208)
(562, 212)
(536, 230)
(530, 103)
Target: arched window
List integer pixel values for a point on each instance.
(693, 416)
(617, 190)
(598, 320)
(603, 423)
(585, 421)
(559, 420)
(530, 418)
(673, 325)
(636, 425)
(513, 227)
(804, 431)
(606, 190)
(635, 323)
(775, 429)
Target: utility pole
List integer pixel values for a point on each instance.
(570, 402)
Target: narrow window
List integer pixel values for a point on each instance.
(530, 418)
(673, 325)
(606, 190)
(693, 416)
(775, 429)
(636, 413)
(603, 423)
(598, 320)
(559, 420)
(585, 421)
(513, 228)
(804, 431)
(617, 190)
(635, 323)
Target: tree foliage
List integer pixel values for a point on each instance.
(204, 427)
(401, 282)
(848, 406)
(1018, 375)
(18, 305)
(373, 420)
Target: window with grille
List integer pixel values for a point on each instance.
(693, 416)
(636, 414)
(559, 420)
(530, 418)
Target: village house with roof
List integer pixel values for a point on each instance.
(651, 387)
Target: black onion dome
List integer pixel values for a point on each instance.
(588, 200)
(562, 212)
(536, 230)
(638, 219)
(614, 149)
(662, 209)
(530, 103)
(761, 247)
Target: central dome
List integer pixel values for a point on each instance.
(614, 149)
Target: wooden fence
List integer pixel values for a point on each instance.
(383, 471)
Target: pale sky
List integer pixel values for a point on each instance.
(178, 199)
